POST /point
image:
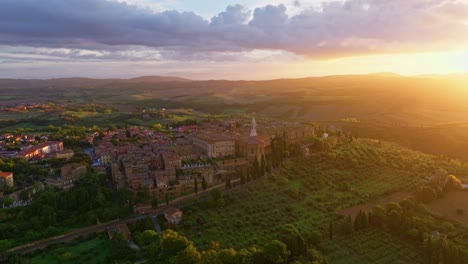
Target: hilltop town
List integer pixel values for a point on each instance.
(162, 162)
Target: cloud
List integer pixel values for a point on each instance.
(337, 29)
(233, 15)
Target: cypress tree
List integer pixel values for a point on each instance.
(248, 178)
(203, 183)
(358, 221)
(268, 165)
(350, 223)
(330, 230)
(167, 198)
(262, 166)
(130, 206)
(256, 169)
(365, 220)
(429, 249)
(154, 202)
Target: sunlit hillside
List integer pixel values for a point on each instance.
(376, 97)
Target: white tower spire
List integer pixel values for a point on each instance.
(253, 128)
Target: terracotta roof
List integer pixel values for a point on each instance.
(5, 174)
(32, 149)
(172, 211)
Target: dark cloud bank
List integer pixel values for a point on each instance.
(337, 29)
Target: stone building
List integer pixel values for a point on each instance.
(214, 145)
(254, 145)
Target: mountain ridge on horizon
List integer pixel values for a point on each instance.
(171, 78)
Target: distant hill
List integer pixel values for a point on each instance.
(380, 97)
(156, 79)
(81, 82)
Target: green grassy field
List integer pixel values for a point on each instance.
(88, 251)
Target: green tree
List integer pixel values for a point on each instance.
(361, 221)
(347, 226)
(378, 216)
(395, 220)
(242, 178)
(154, 202)
(147, 237)
(167, 198)
(4, 245)
(228, 256)
(330, 230)
(293, 239)
(276, 252)
(195, 184)
(217, 198)
(228, 182)
(262, 165)
(209, 256)
(203, 183)
(172, 243)
(119, 249)
(189, 255)
(256, 169)
(315, 237)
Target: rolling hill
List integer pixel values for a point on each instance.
(376, 97)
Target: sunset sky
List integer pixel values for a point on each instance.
(223, 39)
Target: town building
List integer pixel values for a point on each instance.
(41, 150)
(65, 154)
(214, 145)
(69, 174)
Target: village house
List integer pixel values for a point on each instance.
(121, 229)
(69, 174)
(6, 178)
(41, 150)
(65, 154)
(173, 215)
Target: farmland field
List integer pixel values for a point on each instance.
(308, 192)
(371, 246)
(448, 205)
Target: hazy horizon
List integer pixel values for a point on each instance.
(266, 79)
